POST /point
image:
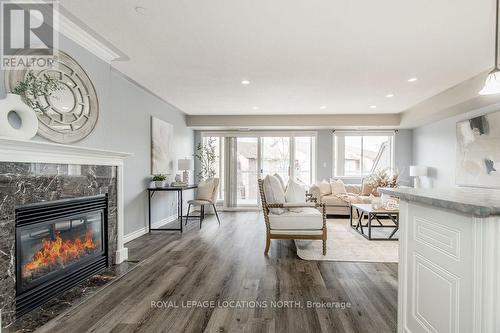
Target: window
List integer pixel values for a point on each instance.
(359, 155)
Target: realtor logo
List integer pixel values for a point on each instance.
(28, 37)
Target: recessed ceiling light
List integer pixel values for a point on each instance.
(413, 79)
(255, 107)
(389, 95)
(322, 107)
(140, 10)
(373, 106)
(245, 82)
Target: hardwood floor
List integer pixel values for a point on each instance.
(226, 263)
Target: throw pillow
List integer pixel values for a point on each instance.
(295, 193)
(274, 193)
(338, 187)
(366, 188)
(205, 190)
(324, 187)
(282, 182)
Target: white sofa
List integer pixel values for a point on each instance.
(338, 204)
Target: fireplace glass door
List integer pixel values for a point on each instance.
(57, 245)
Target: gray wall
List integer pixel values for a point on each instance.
(324, 154)
(124, 125)
(434, 146)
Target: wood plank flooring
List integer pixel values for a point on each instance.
(224, 264)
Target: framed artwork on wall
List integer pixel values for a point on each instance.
(478, 151)
(162, 135)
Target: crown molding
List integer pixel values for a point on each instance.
(81, 36)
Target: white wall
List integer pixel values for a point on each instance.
(434, 146)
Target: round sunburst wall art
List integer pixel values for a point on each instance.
(69, 114)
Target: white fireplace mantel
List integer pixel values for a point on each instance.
(26, 151)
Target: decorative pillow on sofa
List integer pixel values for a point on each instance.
(274, 193)
(295, 192)
(366, 187)
(324, 187)
(338, 187)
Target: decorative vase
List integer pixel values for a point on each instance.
(29, 121)
(160, 183)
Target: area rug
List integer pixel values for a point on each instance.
(345, 244)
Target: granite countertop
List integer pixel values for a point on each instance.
(474, 201)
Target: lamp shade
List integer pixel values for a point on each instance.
(492, 84)
(417, 171)
(185, 164)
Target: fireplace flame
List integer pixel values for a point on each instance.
(59, 252)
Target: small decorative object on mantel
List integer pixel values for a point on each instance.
(28, 122)
(205, 153)
(160, 180)
(65, 103)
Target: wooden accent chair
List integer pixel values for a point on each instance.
(308, 224)
(206, 195)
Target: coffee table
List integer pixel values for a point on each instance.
(373, 215)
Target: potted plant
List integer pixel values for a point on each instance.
(205, 153)
(33, 87)
(160, 180)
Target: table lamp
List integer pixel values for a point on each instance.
(417, 171)
(185, 164)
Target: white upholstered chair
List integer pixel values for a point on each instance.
(293, 220)
(205, 195)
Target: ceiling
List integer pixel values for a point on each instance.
(298, 55)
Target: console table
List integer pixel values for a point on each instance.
(179, 190)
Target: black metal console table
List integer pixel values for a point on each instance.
(179, 190)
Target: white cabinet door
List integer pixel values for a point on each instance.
(436, 273)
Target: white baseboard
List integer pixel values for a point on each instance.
(142, 231)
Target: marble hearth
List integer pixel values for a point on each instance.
(32, 172)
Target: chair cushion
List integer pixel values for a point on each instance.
(307, 219)
(274, 193)
(295, 193)
(199, 202)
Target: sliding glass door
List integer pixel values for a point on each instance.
(242, 159)
(303, 159)
(275, 157)
(247, 171)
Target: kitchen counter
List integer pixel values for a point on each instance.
(474, 201)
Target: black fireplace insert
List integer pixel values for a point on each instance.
(58, 244)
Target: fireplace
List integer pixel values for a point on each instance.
(58, 244)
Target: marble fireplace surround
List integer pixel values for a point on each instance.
(99, 171)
